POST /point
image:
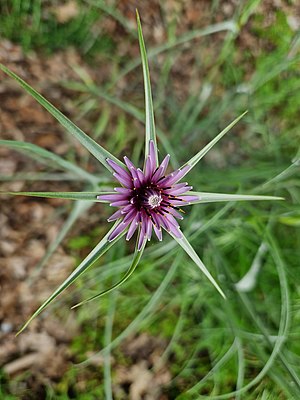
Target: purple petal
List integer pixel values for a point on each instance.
(135, 179)
(158, 232)
(118, 230)
(164, 164)
(161, 169)
(148, 168)
(172, 221)
(174, 176)
(130, 216)
(155, 220)
(169, 179)
(141, 240)
(118, 214)
(129, 164)
(126, 209)
(143, 223)
(117, 168)
(146, 224)
(119, 203)
(182, 171)
(143, 232)
(163, 222)
(180, 190)
(152, 154)
(124, 181)
(112, 197)
(141, 176)
(176, 231)
(191, 198)
(149, 228)
(175, 186)
(123, 190)
(132, 228)
(183, 200)
(173, 225)
(172, 211)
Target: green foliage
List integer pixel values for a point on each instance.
(214, 347)
(34, 25)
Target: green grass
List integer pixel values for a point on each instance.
(214, 347)
(34, 24)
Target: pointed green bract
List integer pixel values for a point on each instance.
(36, 152)
(216, 197)
(90, 196)
(136, 259)
(150, 127)
(93, 256)
(93, 147)
(194, 160)
(187, 247)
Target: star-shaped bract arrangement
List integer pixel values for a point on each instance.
(147, 199)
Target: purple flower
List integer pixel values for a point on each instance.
(148, 199)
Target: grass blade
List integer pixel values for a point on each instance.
(93, 147)
(90, 196)
(44, 156)
(97, 252)
(150, 127)
(230, 25)
(146, 312)
(137, 256)
(194, 160)
(216, 197)
(187, 247)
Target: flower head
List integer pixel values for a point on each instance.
(149, 199)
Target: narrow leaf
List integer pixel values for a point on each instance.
(185, 244)
(44, 156)
(93, 147)
(194, 160)
(216, 197)
(90, 196)
(40, 176)
(150, 127)
(97, 252)
(137, 256)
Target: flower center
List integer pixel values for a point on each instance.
(154, 200)
(146, 198)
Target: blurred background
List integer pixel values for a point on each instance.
(165, 334)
